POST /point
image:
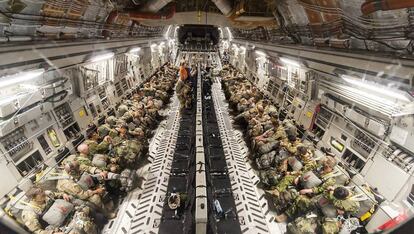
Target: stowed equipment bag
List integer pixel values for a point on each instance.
(310, 180)
(58, 212)
(87, 181)
(99, 160)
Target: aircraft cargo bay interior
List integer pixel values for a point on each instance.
(206, 116)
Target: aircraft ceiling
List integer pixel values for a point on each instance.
(383, 25)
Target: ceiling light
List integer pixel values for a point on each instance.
(20, 77)
(375, 88)
(290, 62)
(261, 53)
(134, 50)
(102, 57)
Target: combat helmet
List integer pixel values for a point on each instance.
(103, 131)
(122, 109)
(111, 120)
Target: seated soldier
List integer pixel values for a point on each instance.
(31, 216)
(290, 143)
(84, 160)
(70, 186)
(338, 199)
(292, 167)
(122, 109)
(310, 184)
(150, 107)
(108, 129)
(95, 145)
(41, 201)
(302, 160)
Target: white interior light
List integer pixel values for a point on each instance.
(290, 62)
(229, 33)
(30, 86)
(134, 50)
(168, 32)
(243, 49)
(375, 88)
(261, 53)
(102, 57)
(20, 77)
(175, 31)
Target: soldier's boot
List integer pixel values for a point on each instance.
(281, 218)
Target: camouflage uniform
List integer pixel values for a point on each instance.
(269, 178)
(303, 204)
(330, 226)
(31, 217)
(291, 147)
(85, 164)
(182, 90)
(69, 186)
(348, 205)
(106, 130)
(128, 150)
(303, 225)
(97, 148)
(82, 224)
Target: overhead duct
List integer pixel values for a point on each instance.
(371, 6)
(154, 5)
(136, 16)
(226, 8)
